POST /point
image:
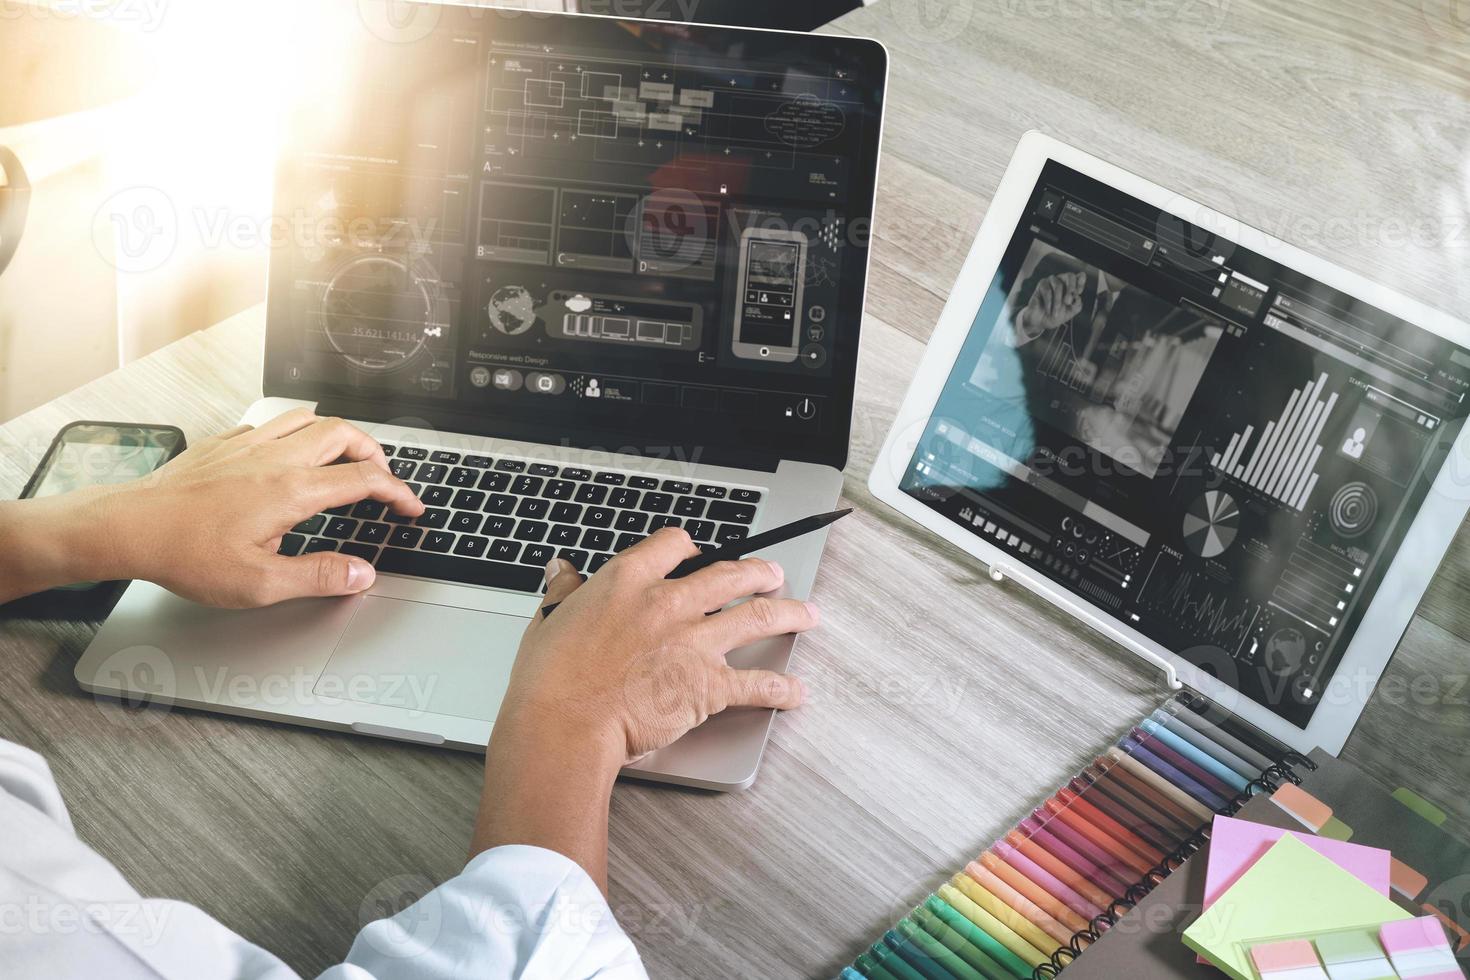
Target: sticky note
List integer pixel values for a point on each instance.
(1293, 959)
(1419, 949)
(1420, 805)
(1406, 881)
(1457, 932)
(1354, 956)
(1308, 811)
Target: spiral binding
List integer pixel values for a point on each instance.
(1269, 781)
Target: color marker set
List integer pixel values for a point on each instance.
(1037, 898)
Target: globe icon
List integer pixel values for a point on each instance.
(1285, 650)
(512, 310)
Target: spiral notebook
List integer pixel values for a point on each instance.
(1104, 876)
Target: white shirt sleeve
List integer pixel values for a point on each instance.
(514, 912)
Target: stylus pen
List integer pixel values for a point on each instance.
(745, 546)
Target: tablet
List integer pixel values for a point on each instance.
(1237, 459)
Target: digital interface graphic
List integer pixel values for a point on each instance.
(1208, 446)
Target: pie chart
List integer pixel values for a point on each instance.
(1210, 523)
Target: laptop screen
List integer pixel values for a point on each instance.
(1215, 450)
(610, 233)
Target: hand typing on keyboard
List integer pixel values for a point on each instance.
(629, 663)
(208, 525)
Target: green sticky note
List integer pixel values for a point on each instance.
(1359, 950)
(1335, 829)
(1420, 805)
(1291, 891)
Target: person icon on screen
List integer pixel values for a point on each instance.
(1353, 447)
(594, 390)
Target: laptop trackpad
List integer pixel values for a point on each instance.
(415, 655)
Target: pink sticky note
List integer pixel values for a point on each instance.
(1419, 949)
(1235, 845)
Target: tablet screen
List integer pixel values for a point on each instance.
(1219, 452)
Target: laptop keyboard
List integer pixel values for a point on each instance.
(498, 521)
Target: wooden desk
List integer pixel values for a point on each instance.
(943, 706)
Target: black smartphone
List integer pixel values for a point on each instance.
(87, 454)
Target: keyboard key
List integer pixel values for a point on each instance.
(565, 513)
(563, 534)
(596, 562)
(367, 552)
(431, 473)
(372, 532)
(500, 503)
(511, 466)
(745, 496)
(438, 541)
(495, 482)
(577, 557)
(575, 473)
(469, 500)
(723, 510)
(433, 517)
(662, 520)
(559, 490)
(413, 452)
(700, 530)
(342, 511)
(597, 539)
(442, 456)
(451, 568)
(533, 507)
(387, 449)
(477, 462)
(622, 497)
(710, 490)
(312, 525)
(689, 507)
(471, 546)
(627, 540)
(728, 533)
(643, 482)
(531, 530)
(498, 527)
(543, 469)
(437, 496)
(537, 554)
(369, 510)
(505, 550)
(319, 544)
(415, 488)
(610, 479)
(677, 486)
(656, 503)
(465, 522)
(462, 476)
(404, 537)
(598, 516)
(590, 493)
(402, 468)
(526, 486)
(393, 518)
(291, 544)
(631, 520)
(340, 527)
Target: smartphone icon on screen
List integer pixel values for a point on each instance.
(768, 299)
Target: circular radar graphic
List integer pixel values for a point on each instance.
(512, 310)
(1210, 523)
(1353, 509)
(376, 313)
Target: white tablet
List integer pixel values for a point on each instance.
(1239, 460)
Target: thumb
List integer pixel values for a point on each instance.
(561, 581)
(763, 689)
(321, 574)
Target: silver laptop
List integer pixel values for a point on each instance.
(583, 278)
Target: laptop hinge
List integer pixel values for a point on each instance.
(605, 440)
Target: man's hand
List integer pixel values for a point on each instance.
(1055, 300)
(207, 525)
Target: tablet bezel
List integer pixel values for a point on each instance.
(1409, 573)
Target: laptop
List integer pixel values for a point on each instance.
(583, 278)
(1239, 461)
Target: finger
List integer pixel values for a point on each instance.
(562, 579)
(759, 619)
(321, 574)
(723, 582)
(660, 552)
(347, 483)
(285, 424)
(763, 689)
(329, 440)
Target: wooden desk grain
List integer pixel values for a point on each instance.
(935, 720)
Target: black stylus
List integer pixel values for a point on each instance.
(745, 546)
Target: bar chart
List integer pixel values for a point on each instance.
(1283, 462)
